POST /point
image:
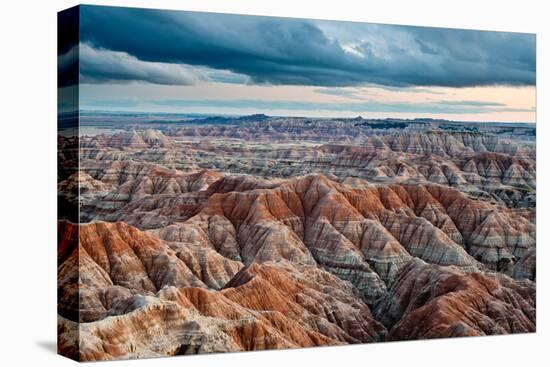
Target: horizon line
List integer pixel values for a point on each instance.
(388, 117)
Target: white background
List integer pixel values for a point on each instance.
(28, 182)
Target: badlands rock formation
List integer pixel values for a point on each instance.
(269, 233)
(197, 299)
(430, 301)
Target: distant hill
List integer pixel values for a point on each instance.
(230, 120)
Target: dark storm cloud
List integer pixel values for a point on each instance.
(299, 52)
(67, 39)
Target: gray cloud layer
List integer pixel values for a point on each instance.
(100, 65)
(455, 107)
(303, 52)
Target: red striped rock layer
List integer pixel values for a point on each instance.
(370, 226)
(129, 180)
(133, 287)
(428, 301)
(249, 264)
(488, 166)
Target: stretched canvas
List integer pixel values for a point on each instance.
(232, 183)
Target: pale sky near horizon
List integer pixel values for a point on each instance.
(171, 61)
(509, 104)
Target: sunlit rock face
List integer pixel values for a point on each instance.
(274, 233)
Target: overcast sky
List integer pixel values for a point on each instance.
(159, 60)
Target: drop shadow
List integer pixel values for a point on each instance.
(48, 345)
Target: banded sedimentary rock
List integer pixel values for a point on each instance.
(430, 301)
(288, 232)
